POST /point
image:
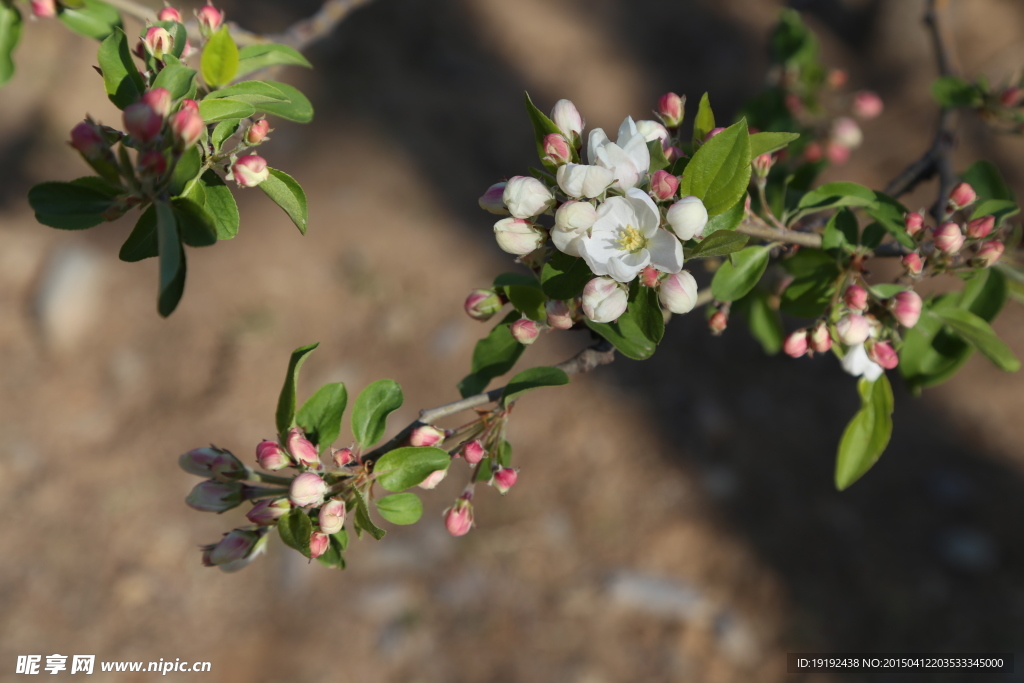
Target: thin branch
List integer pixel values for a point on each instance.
(764, 231)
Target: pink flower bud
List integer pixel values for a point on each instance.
(266, 512)
(915, 221)
(906, 308)
(44, 9)
(961, 196)
(989, 253)
(670, 109)
(650, 277)
(191, 105)
(504, 479)
(837, 78)
(525, 331)
(813, 153)
(492, 199)
(319, 542)
(458, 519)
(307, 489)
(856, 297)
(556, 149)
(912, 262)
(159, 99)
(678, 292)
(87, 139)
(187, 126)
(559, 315)
(342, 457)
(142, 122)
(226, 467)
(1011, 97)
(761, 165)
(652, 130)
(948, 237)
(257, 132)
(795, 344)
(836, 153)
(169, 14)
(567, 118)
(846, 133)
(713, 132)
(250, 171)
(482, 304)
(332, 516)
(152, 164)
(426, 435)
(518, 236)
(158, 41)
(867, 105)
(981, 227)
(433, 479)
(604, 300)
(664, 185)
(215, 496)
(673, 153)
(473, 452)
(301, 448)
(819, 338)
(234, 547)
(209, 18)
(270, 456)
(718, 322)
(883, 354)
(853, 329)
(212, 462)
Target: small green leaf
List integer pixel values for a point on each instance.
(980, 335)
(738, 276)
(834, 195)
(764, 321)
(363, 521)
(841, 232)
(564, 276)
(220, 110)
(400, 508)
(286, 402)
(186, 170)
(298, 107)
(645, 310)
(890, 214)
(253, 92)
(719, 172)
(951, 91)
(765, 143)
(172, 259)
(626, 337)
(220, 204)
(95, 19)
(493, 356)
(988, 182)
(406, 467)
(195, 225)
(255, 57)
(542, 125)
(287, 194)
(121, 77)
(728, 220)
(219, 63)
(657, 153)
(178, 79)
(704, 122)
(1000, 208)
(528, 300)
(868, 433)
(71, 206)
(371, 410)
(514, 279)
(10, 32)
(721, 243)
(334, 556)
(142, 242)
(534, 378)
(222, 131)
(320, 415)
(295, 529)
(814, 281)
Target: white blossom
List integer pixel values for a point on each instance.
(857, 363)
(581, 180)
(627, 158)
(572, 221)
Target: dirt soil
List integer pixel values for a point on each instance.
(675, 520)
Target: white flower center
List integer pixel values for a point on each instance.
(631, 240)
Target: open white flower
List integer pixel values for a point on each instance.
(626, 238)
(627, 158)
(857, 363)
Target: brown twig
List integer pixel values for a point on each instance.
(757, 228)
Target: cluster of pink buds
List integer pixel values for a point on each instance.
(975, 240)
(810, 340)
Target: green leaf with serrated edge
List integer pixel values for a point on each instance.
(185, 171)
(657, 153)
(371, 409)
(740, 273)
(890, 215)
(121, 78)
(763, 320)
(289, 195)
(841, 232)
(980, 335)
(765, 143)
(728, 220)
(195, 225)
(221, 110)
(867, 434)
(363, 521)
(172, 259)
(220, 204)
(95, 19)
(178, 79)
(522, 279)
(834, 195)
(400, 508)
(222, 131)
(564, 276)
(255, 57)
(542, 125)
(10, 33)
(219, 63)
(721, 243)
(142, 242)
(719, 172)
(286, 402)
(531, 379)
(626, 337)
(645, 310)
(295, 528)
(404, 468)
(952, 91)
(320, 415)
(988, 182)
(1000, 208)
(704, 122)
(493, 356)
(70, 206)
(333, 557)
(527, 300)
(298, 107)
(253, 92)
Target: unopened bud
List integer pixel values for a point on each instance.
(142, 122)
(718, 322)
(961, 196)
(482, 304)
(504, 479)
(209, 18)
(989, 253)
(796, 344)
(713, 132)
(492, 199)
(158, 41)
(572, 220)
(651, 131)
(525, 331)
(226, 467)
(948, 238)
(837, 154)
(556, 149)
(819, 338)
(234, 547)
(1011, 97)
(761, 165)
(906, 308)
(267, 511)
(913, 263)
(852, 329)
(319, 542)
(559, 315)
(867, 105)
(189, 104)
(301, 448)
(307, 489)
(187, 126)
(981, 227)
(332, 516)
(604, 300)
(257, 132)
(517, 236)
(664, 185)
(342, 457)
(152, 164)
(250, 171)
(426, 435)
(527, 197)
(198, 461)
(433, 479)
(87, 139)
(568, 119)
(159, 99)
(650, 277)
(670, 109)
(169, 14)
(678, 292)
(271, 456)
(473, 452)
(687, 217)
(846, 133)
(837, 78)
(44, 9)
(813, 153)
(856, 297)
(915, 222)
(215, 496)
(883, 354)
(458, 519)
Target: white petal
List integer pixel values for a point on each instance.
(611, 156)
(636, 149)
(614, 214)
(625, 268)
(666, 252)
(567, 241)
(596, 181)
(570, 179)
(596, 140)
(857, 363)
(647, 215)
(627, 129)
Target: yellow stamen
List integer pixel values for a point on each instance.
(631, 240)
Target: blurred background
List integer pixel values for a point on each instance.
(675, 519)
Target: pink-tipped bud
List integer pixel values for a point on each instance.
(762, 164)
(493, 200)
(713, 132)
(1011, 97)
(913, 263)
(813, 153)
(504, 479)
(342, 457)
(989, 253)
(226, 467)
(718, 322)
(433, 479)
(142, 122)
(198, 461)
(853, 329)
(837, 78)
(915, 223)
(233, 548)
(678, 292)
(210, 19)
(846, 133)
(426, 435)
(604, 300)
(961, 196)
(319, 542)
(867, 105)
(307, 490)
(559, 315)
(556, 149)
(458, 519)
(187, 126)
(518, 236)
(981, 227)
(906, 308)
(152, 164)
(169, 14)
(271, 457)
(948, 238)
(215, 496)
(819, 338)
(883, 354)
(837, 154)
(250, 171)
(44, 9)
(158, 41)
(159, 99)
(301, 448)
(673, 153)
(568, 119)
(473, 452)
(649, 277)
(191, 105)
(856, 297)
(332, 516)
(664, 185)
(266, 512)
(525, 331)
(795, 344)
(87, 139)
(670, 109)
(257, 132)
(482, 304)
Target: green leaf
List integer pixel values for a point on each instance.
(493, 356)
(95, 19)
(645, 310)
(371, 410)
(286, 402)
(185, 170)
(886, 290)
(406, 467)
(657, 153)
(980, 335)
(10, 32)
(320, 415)
(719, 172)
(542, 125)
(400, 508)
(841, 232)
(952, 91)
(728, 220)
(834, 195)
(178, 79)
(988, 182)
(253, 92)
(765, 143)
(363, 521)
(626, 337)
(255, 57)
(287, 194)
(534, 378)
(564, 276)
(71, 206)
(219, 63)
(1000, 208)
(142, 242)
(814, 281)
(121, 77)
(172, 259)
(890, 214)
(222, 131)
(220, 110)
(868, 433)
(738, 276)
(334, 556)
(513, 279)
(528, 300)
(298, 107)
(220, 204)
(764, 321)
(720, 243)
(295, 530)
(704, 121)
(194, 223)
